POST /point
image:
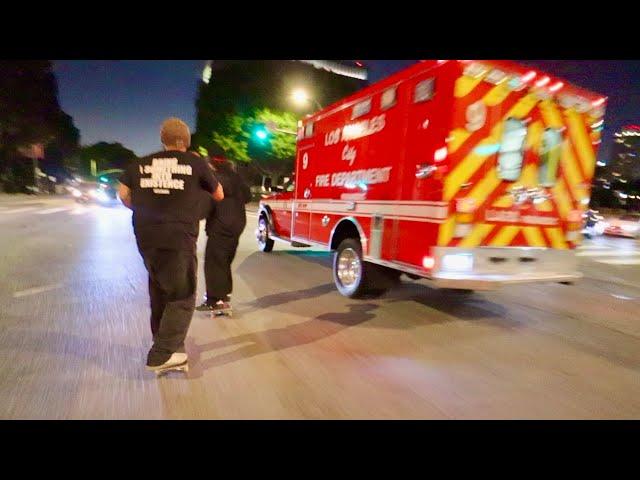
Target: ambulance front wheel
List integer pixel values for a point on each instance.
(265, 243)
(353, 276)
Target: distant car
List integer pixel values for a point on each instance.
(624, 226)
(592, 224)
(103, 190)
(80, 188)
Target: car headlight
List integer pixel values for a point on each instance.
(102, 196)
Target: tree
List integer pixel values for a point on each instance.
(238, 90)
(272, 156)
(64, 149)
(105, 155)
(30, 117)
(28, 103)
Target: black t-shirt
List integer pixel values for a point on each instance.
(228, 216)
(166, 194)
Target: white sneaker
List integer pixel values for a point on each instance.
(177, 359)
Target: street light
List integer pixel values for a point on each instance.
(301, 97)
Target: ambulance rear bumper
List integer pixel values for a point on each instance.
(489, 268)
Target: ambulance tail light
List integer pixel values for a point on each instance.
(428, 262)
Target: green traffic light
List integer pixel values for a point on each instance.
(261, 134)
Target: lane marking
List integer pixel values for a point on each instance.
(52, 210)
(79, 210)
(593, 247)
(621, 297)
(620, 261)
(36, 290)
(18, 210)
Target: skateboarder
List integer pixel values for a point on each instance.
(164, 191)
(225, 223)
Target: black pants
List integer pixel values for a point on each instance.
(219, 254)
(172, 290)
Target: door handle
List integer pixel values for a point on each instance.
(425, 171)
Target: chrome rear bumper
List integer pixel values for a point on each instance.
(488, 268)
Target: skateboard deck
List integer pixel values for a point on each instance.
(222, 313)
(184, 367)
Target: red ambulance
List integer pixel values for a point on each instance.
(472, 174)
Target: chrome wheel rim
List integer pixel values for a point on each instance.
(349, 267)
(262, 233)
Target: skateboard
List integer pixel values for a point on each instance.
(222, 313)
(184, 367)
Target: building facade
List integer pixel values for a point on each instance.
(625, 157)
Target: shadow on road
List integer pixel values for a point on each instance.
(262, 262)
(282, 298)
(470, 306)
(466, 307)
(277, 339)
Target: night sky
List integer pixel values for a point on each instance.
(125, 101)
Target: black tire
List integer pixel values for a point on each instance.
(371, 280)
(265, 243)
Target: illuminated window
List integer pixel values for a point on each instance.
(388, 98)
(361, 108)
(308, 130)
(424, 90)
(511, 152)
(550, 152)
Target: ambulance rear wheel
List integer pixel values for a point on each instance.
(355, 278)
(265, 243)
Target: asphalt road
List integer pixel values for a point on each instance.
(74, 335)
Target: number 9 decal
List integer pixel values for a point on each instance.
(305, 161)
